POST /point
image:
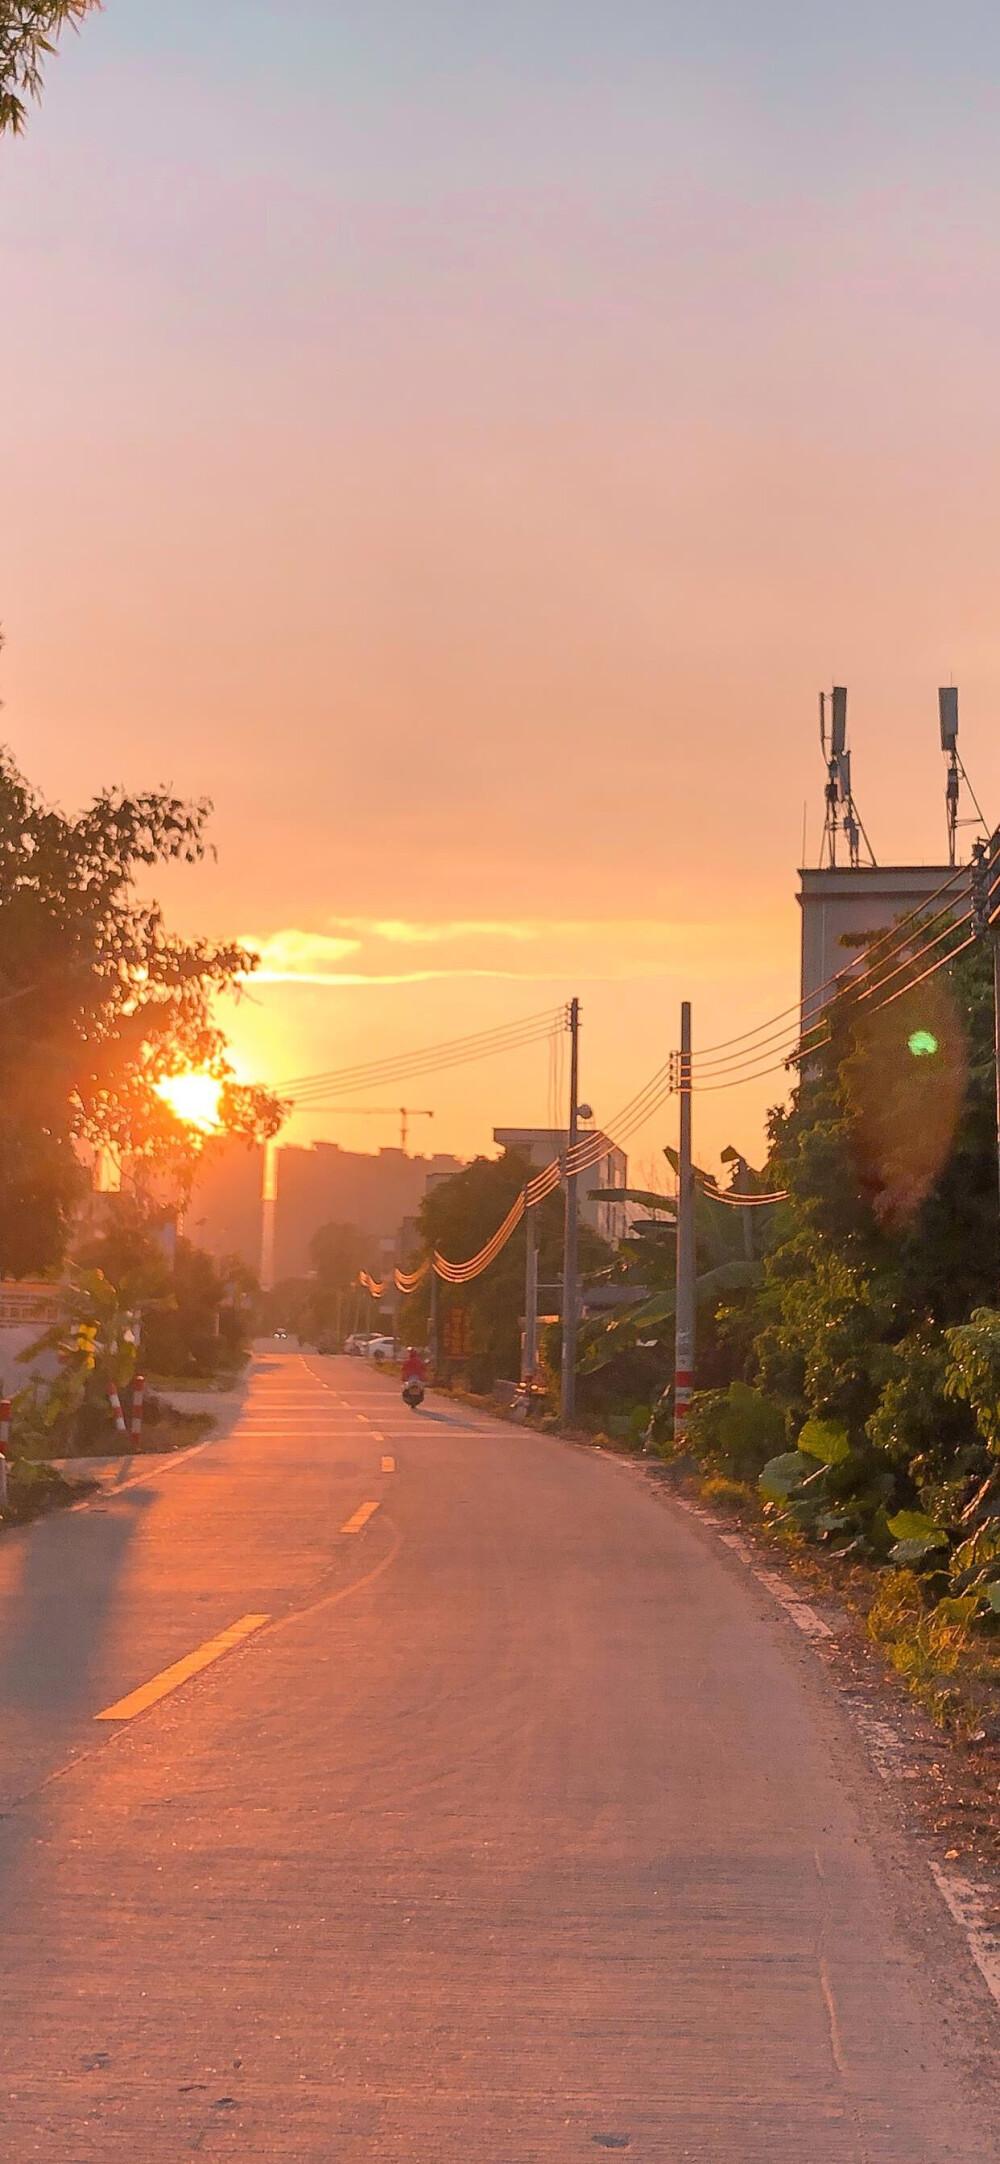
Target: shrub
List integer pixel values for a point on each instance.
(738, 1429)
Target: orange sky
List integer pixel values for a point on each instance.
(462, 451)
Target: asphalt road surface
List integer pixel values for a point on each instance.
(502, 1818)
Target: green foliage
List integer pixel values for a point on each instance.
(786, 1475)
(974, 1374)
(127, 1304)
(862, 1338)
(28, 33)
(458, 1216)
(737, 1428)
(915, 1537)
(33, 1489)
(926, 1643)
(825, 1440)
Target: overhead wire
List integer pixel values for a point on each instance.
(801, 1047)
(840, 977)
(741, 1202)
(446, 1052)
(308, 1098)
(591, 1147)
(758, 1074)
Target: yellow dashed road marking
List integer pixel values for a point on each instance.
(388, 1465)
(169, 1679)
(360, 1518)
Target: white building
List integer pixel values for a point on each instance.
(541, 1144)
(845, 907)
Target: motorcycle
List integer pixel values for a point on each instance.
(413, 1393)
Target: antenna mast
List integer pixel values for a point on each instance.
(842, 814)
(956, 774)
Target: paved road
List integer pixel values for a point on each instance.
(525, 1828)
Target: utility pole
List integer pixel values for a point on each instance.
(529, 1360)
(684, 1344)
(570, 1266)
(432, 1324)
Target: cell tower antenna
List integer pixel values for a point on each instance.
(956, 774)
(842, 814)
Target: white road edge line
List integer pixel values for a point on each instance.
(966, 1902)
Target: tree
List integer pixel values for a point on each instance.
(338, 1253)
(458, 1217)
(99, 1003)
(191, 1312)
(28, 33)
(888, 1151)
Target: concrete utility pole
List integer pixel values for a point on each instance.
(432, 1325)
(684, 1344)
(570, 1265)
(529, 1360)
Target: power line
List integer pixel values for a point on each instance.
(410, 1069)
(845, 984)
(840, 977)
(449, 1051)
(800, 1048)
(589, 1151)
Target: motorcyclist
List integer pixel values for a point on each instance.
(414, 1369)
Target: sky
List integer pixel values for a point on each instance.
(461, 442)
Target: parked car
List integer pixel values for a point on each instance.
(358, 1342)
(380, 1348)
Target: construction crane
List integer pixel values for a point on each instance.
(404, 1113)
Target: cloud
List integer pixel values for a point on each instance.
(407, 932)
(348, 978)
(291, 953)
(586, 949)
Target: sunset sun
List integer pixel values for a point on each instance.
(193, 1097)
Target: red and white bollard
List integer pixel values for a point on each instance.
(138, 1393)
(4, 1446)
(116, 1407)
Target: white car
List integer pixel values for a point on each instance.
(380, 1348)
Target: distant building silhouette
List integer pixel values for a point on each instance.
(224, 1213)
(324, 1184)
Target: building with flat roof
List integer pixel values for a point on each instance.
(541, 1144)
(323, 1184)
(845, 907)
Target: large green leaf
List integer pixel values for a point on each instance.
(916, 1525)
(826, 1440)
(643, 1197)
(783, 1475)
(916, 1537)
(905, 1552)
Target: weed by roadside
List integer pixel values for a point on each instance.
(33, 1489)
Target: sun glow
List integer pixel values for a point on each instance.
(193, 1097)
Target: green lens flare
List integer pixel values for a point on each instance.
(923, 1043)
